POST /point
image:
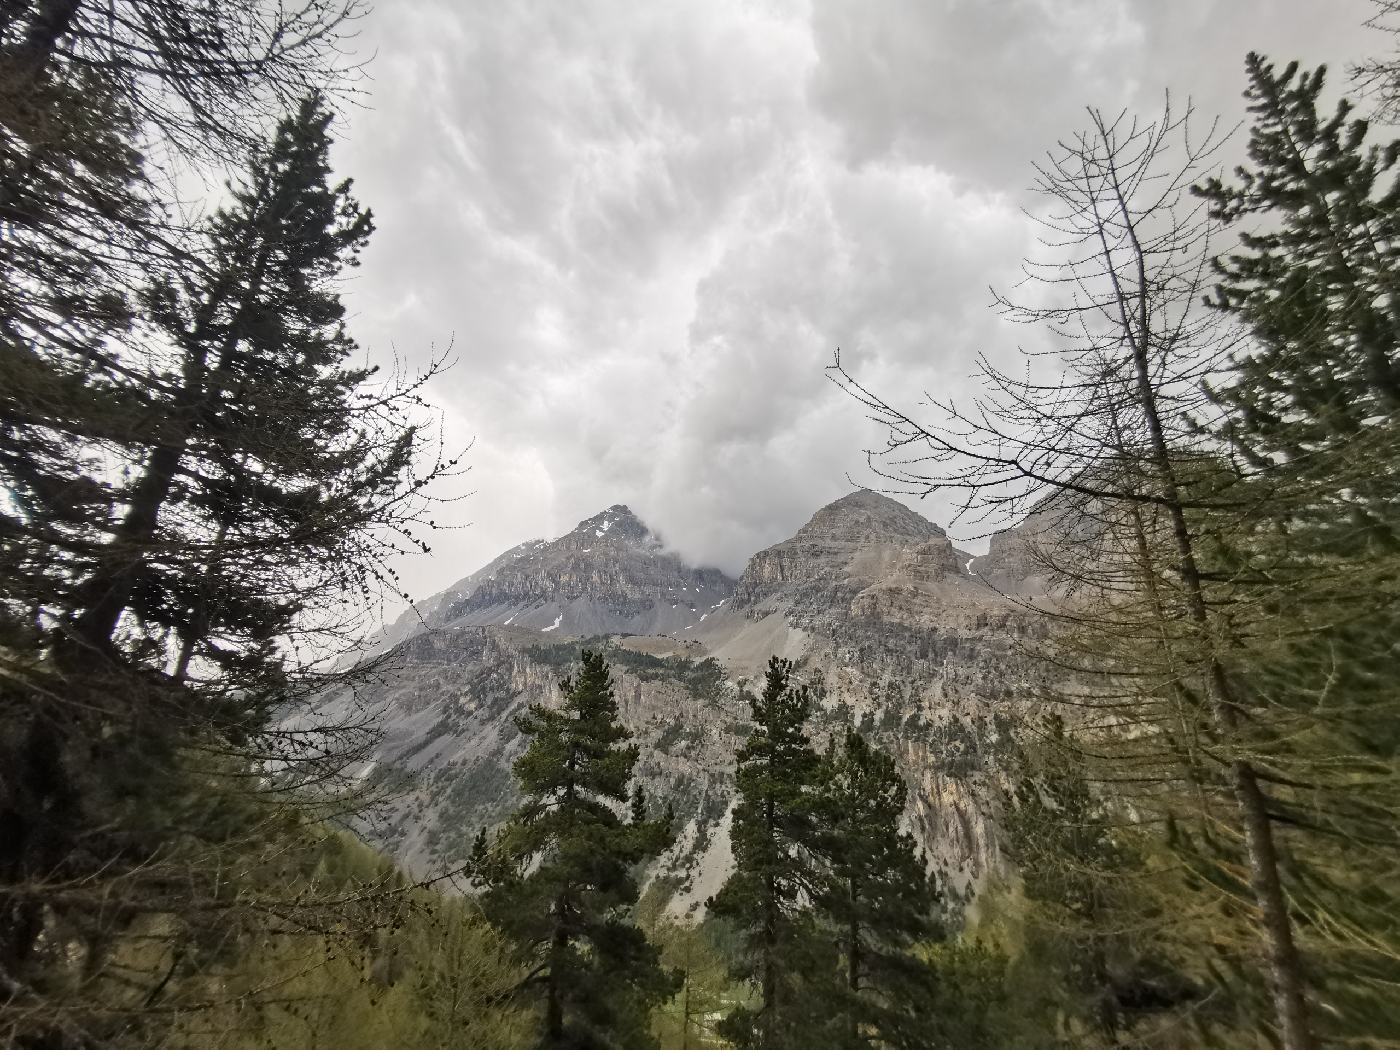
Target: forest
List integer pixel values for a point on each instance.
(205, 490)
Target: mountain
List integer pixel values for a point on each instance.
(897, 631)
(610, 575)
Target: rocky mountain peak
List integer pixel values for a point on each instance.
(845, 547)
(616, 525)
(610, 574)
(864, 516)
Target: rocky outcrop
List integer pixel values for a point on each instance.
(449, 737)
(610, 575)
(846, 546)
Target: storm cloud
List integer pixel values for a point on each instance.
(645, 228)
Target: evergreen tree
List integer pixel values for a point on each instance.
(768, 896)
(559, 877)
(1092, 917)
(264, 477)
(1312, 412)
(87, 92)
(878, 900)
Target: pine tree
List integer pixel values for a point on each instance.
(559, 877)
(265, 478)
(199, 486)
(272, 453)
(768, 896)
(878, 900)
(87, 93)
(1318, 284)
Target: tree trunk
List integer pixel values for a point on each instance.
(107, 594)
(1285, 965)
(769, 982)
(853, 961)
(770, 968)
(685, 1015)
(29, 59)
(553, 1003)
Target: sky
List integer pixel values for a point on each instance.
(644, 228)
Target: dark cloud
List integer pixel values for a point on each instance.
(647, 226)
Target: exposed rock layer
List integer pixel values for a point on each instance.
(899, 633)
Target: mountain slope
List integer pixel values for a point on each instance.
(610, 575)
(894, 629)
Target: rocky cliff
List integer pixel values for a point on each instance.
(897, 630)
(610, 575)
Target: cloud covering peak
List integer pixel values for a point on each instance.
(647, 227)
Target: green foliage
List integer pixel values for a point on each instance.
(875, 896)
(200, 486)
(423, 970)
(773, 833)
(559, 879)
(704, 679)
(689, 1021)
(1313, 412)
(1094, 908)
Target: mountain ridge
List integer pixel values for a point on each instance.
(895, 629)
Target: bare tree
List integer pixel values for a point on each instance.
(1108, 449)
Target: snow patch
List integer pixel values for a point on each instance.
(969, 566)
(508, 622)
(557, 621)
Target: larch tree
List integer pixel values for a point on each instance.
(1135, 505)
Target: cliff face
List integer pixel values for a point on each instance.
(449, 734)
(610, 575)
(846, 547)
(898, 632)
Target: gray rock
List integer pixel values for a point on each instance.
(899, 633)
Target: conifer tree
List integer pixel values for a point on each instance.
(265, 477)
(1319, 284)
(1137, 512)
(89, 92)
(1312, 414)
(1091, 917)
(558, 879)
(768, 896)
(878, 900)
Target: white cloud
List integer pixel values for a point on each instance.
(648, 226)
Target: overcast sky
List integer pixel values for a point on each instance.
(647, 225)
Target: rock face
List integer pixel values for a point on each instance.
(846, 547)
(898, 632)
(610, 575)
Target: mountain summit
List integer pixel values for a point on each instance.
(864, 516)
(847, 546)
(905, 635)
(610, 574)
